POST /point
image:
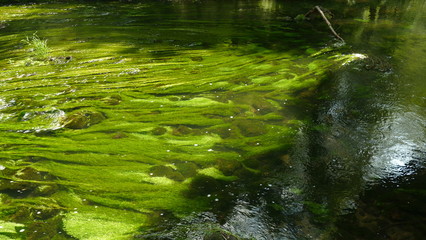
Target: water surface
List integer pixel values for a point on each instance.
(205, 119)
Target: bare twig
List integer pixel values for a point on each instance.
(318, 8)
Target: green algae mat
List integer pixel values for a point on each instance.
(134, 113)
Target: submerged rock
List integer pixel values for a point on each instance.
(380, 64)
(45, 190)
(60, 60)
(203, 185)
(197, 58)
(29, 173)
(168, 172)
(251, 128)
(119, 135)
(82, 119)
(159, 131)
(187, 169)
(258, 103)
(220, 234)
(24, 184)
(181, 130)
(114, 99)
(228, 166)
(50, 228)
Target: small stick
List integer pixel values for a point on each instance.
(326, 20)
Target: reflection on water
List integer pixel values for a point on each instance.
(359, 167)
(403, 136)
(369, 137)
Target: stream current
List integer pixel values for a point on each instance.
(213, 120)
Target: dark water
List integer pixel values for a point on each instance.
(159, 88)
(372, 147)
(357, 170)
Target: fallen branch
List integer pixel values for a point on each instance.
(318, 9)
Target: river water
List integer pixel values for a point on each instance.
(212, 120)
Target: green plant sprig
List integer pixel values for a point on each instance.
(37, 46)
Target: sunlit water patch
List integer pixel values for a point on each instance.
(395, 154)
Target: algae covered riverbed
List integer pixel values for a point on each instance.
(131, 115)
(158, 119)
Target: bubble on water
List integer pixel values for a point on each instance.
(195, 145)
(22, 230)
(209, 195)
(210, 150)
(231, 117)
(167, 150)
(2, 167)
(216, 199)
